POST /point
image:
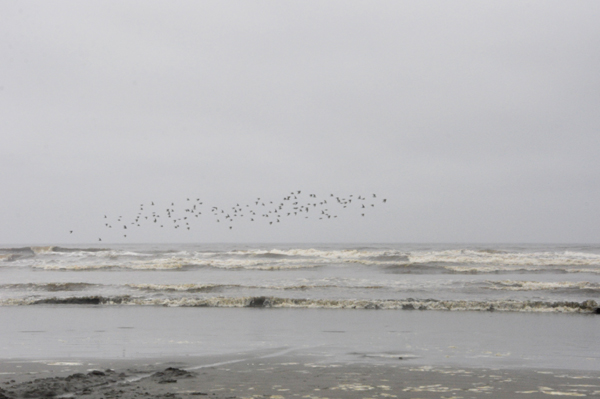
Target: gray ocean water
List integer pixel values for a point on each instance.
(513, 305)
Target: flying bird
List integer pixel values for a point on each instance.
(286, 207)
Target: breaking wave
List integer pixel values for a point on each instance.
(216, 287)
(516, 269)
(51, 287)
(308, 253)
(11, 254)
(182, 287)
(510, 285)
(49, 248)
(456, 261)
(390, 258)
(589, 306)
(181, 263)
(63, 249)
(490, 257)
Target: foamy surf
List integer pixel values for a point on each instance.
(485, 257)
(588, 306)
(511, 285)
(51, 287)
(385, 276)
(180, 263)
(409, 260)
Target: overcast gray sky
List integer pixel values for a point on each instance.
(479, 121)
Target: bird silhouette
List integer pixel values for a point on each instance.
(272, 210)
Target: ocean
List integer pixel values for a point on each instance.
(475, 305)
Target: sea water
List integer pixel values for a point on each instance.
(476, 305)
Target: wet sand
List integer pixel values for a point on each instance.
(280, 375)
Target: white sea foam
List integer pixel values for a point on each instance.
(368, 262)
(511, 285)
(55, 286)
(503, 268)
(470, 259)
(414, 263)
(313, 253)
(108, 253)
(178, 263)
(96, 266)
(42, 250)
(329, 284)
(455, 260)
(279, 285)
(589, 306)
(180, 287)
(567, 258)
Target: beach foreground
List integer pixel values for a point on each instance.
(281, 375)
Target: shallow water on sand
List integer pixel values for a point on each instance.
(468, 339)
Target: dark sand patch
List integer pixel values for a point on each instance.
(285, 377)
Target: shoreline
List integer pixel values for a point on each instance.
(280, 374)
(464, 339)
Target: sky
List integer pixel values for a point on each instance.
(477, 121)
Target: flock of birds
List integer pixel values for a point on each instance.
(295, 205)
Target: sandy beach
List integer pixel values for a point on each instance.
(279, 375)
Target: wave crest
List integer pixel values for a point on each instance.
(487, 257)
(180, 263)
(511, 285)
(51, 287)
(589, 306)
